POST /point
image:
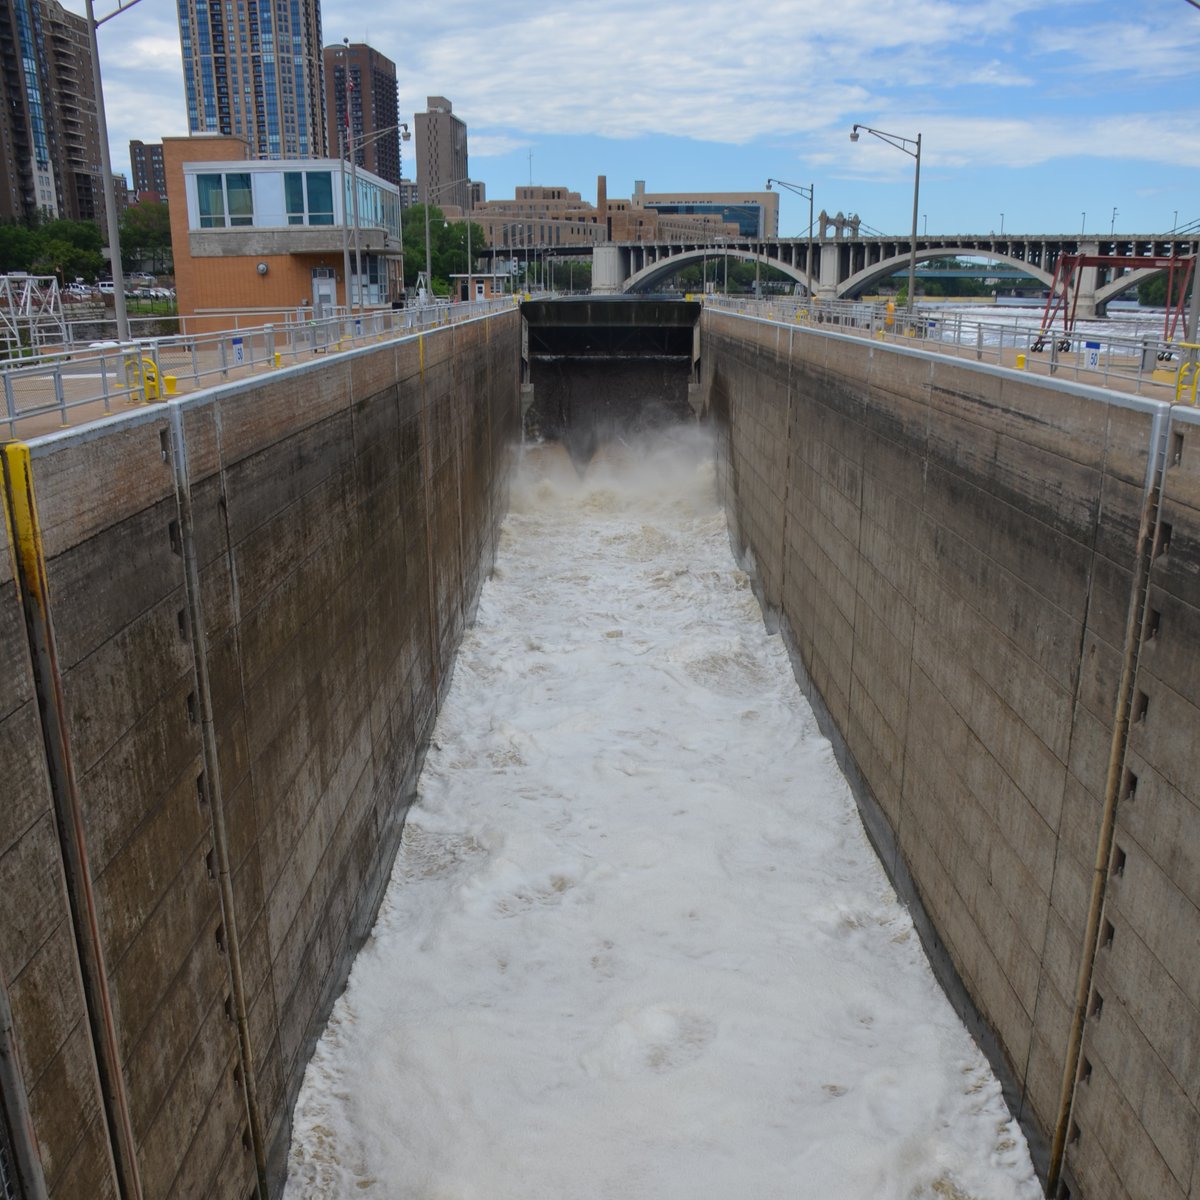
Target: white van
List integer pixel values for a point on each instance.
(106, 287)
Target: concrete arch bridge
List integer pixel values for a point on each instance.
(843, 268)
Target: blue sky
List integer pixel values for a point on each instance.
(1040, 110)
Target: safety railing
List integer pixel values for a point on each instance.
(85, 382)
(1135, 362)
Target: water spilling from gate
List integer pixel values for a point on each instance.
(636, 943)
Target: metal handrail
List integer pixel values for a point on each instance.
(1109, 359)
(93, 378)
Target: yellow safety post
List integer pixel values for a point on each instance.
(133, 380)
(150, 378)
(278, 358)
(1181, 377)
(1020, 362)
(170, 382)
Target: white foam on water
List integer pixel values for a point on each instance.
(636, 943)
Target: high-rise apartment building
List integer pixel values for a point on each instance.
(49, 135)
(252, 68)
(361, 79)
(442, 156)
(149, 174)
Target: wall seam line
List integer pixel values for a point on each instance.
(216, 794)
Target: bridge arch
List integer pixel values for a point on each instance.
(890, 266)
(1112, 289)
(645, 279)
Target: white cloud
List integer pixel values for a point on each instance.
(998, 74)
(494, 145)
(630, 68)
(1009, 83)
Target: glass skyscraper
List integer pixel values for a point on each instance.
(252, 68)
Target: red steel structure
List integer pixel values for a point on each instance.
(1068, 276)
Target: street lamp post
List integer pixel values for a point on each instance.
(106, 175)
(349, 91)
(345, 240)
(805, 193)
(348, 147)
(903, 144)
(429, 195)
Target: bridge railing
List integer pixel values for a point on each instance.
(1137, 362)
(77, 383)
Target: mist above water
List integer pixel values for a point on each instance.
(636, 944)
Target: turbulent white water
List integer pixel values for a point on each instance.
(636, 944)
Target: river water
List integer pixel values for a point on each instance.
(636, 944)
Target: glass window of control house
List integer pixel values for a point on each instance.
(224, 200)
(210, 198)
(308, 196)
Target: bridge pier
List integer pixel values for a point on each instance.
(826, 274)
(610, 269)
(1089, 285)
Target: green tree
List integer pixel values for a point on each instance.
(83, 235)
(67, 261)
(146, 236)
(62, 248)
(1152, 292)
(18, 247)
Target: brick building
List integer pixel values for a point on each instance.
(367, 80)
(274, 236)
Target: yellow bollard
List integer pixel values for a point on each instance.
(169, 382)
(1020, 362)
(278, 358)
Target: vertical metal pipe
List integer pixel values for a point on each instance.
(216, 796)
(912, 255)
(1134, 618)
(29, 570)
(10, 405)
(110, 199)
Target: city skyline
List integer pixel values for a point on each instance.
(1026, 124)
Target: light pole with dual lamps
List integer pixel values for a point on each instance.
(349, 149)
(911, 147)
(807, 194)
(429, 195)
(106, 176)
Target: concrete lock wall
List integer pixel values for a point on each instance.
(254, 596)
(992, 588)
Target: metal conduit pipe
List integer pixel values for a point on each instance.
(1147, 530)
(216, 796)
(29, 570)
